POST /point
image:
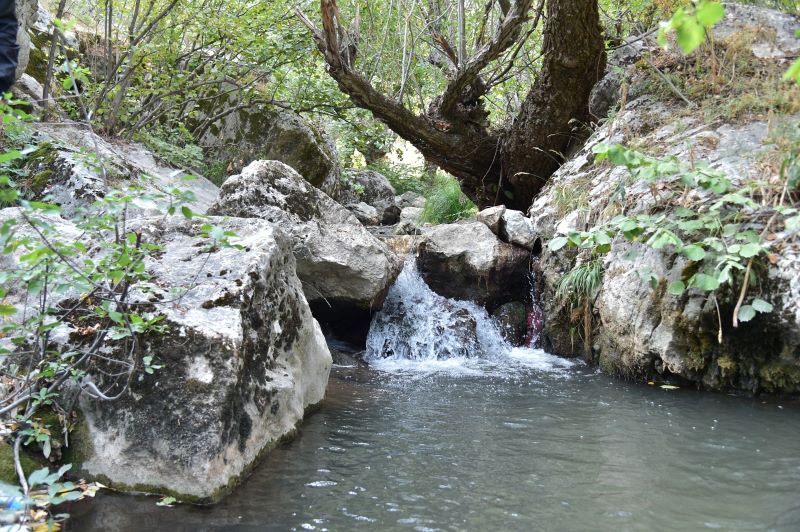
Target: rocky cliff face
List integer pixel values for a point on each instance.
(645, 332)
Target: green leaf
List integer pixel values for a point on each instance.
(690, 225)
(124, 259)
(694, 252)
(690, 35)
(793, 73)
(187, 212)
(750, 250)
(746, 313)
(557, 243)
(761, 306)
(7, 310)
(709, 13)
(72, 496)
(38, 476)
(10, 156)
(705, 282)
(676, 288)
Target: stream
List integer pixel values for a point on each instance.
(495, 438)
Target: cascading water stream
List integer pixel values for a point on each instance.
(418, 329)
(535, 316)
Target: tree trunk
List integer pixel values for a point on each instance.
(554, 115)
(511, 167)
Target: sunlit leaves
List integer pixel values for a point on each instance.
(691, 23)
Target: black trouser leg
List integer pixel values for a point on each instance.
(9, 49)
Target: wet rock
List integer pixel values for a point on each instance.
(492, 217)
(338, 260)
(467, 261)
(371, 188)
(513, 320)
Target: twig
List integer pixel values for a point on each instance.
(669, 83)
(23, 482)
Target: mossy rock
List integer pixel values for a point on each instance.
(781, 377)
(8, 473)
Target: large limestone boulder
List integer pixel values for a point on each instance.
(242, 359)
(467, 261)
(373, 189)
(338, 260)
(27, 11)
(265, 133)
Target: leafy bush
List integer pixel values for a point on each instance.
(446, 203)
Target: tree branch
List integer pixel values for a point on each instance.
(405, 123)
(504, 38)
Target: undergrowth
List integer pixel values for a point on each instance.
(446, 203)
(176, 147)
(722, 79)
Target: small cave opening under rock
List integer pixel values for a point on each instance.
(343, 323)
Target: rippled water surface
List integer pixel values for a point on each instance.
(534, 443)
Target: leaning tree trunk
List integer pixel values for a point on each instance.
(554, 115)
(511, 167)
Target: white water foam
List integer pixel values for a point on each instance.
(421, 332)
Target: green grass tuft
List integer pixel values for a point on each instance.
(581, 283)
(446, 203)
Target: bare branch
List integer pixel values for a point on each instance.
(504, 38)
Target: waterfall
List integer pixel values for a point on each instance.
(418, 324)
(418, 328)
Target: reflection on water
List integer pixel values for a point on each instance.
(547, 446)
